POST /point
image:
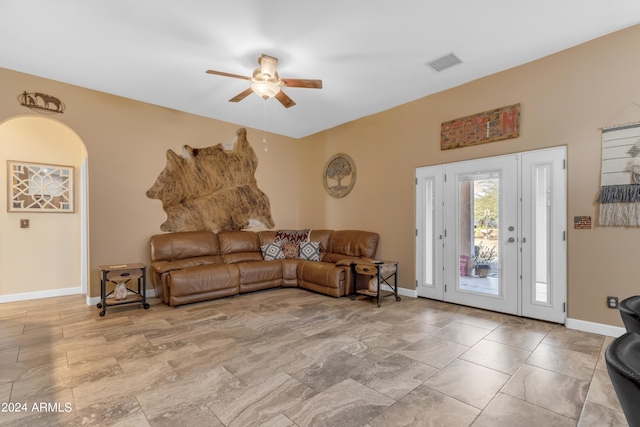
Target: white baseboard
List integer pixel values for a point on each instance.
(402, 291)
(40, 294)
(596, 328)
(413, 293)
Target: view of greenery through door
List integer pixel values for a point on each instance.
(479, 249)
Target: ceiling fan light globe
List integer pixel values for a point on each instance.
(265, 89)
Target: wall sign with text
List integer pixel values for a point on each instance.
(489, 126)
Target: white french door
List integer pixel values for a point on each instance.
(490, 233)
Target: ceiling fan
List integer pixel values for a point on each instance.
(267, 83)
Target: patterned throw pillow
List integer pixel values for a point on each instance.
(292, 236)
(271, 251)
(310, 251)
(291, 250)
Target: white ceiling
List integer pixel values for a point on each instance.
(370, 54)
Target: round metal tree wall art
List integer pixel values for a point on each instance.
(339, 175)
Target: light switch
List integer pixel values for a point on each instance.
(24, 223)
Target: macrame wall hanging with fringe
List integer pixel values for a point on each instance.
(620, 177)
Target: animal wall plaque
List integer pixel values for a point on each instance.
(212, 188)
(41, 103)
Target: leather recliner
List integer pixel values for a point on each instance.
(623, 364)
(630, 313)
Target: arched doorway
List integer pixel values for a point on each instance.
(50, 257)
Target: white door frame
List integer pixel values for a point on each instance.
(84, 229)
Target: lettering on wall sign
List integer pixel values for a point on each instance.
(489, 126)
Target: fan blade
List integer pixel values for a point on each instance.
(268, 65)
(285, 100)
(239, 97)
(220, 73)
(307, 83)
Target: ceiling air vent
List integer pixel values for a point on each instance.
(445, 62)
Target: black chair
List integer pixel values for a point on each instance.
(623, 364)
(630, 312)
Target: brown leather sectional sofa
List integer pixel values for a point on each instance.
(200, 265)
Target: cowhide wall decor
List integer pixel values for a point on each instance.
(212, 188)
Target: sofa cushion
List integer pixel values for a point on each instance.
(164, 266)
(290, 272)
(271, 251)
(325, 290)
(266, 236)
(259, 271)
(352, 244)
(327, 274)
(321, 236)
(204, 278)
(259, 275)
(239, 246)
(185, 244)
(310, 251)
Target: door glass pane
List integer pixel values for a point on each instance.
(541, 225)
(429, 226)
(478, 244)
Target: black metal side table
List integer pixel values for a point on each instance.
(383, 271)
(123, 273)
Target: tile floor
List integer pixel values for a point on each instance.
(288, 357)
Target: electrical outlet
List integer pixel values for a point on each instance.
(612, 302)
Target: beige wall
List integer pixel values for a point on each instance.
(45, 256)
(565, 99)
(126, 143)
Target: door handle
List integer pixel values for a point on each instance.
(511, 240)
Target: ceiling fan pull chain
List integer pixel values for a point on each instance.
(264, 126)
